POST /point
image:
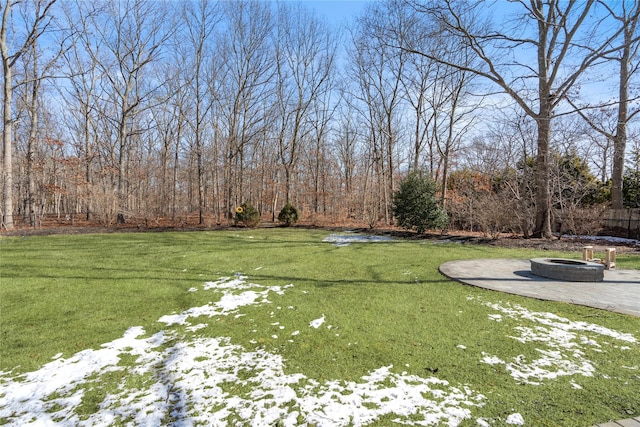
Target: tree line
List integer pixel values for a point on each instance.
(147, 109)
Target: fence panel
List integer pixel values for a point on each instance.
(626, 221)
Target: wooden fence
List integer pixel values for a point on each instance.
(625, 221)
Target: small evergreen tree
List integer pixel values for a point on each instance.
(247, 215)
(415, 205)
(288, 215)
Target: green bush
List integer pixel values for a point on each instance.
(415, 205)
(247, 215)
(288, 215)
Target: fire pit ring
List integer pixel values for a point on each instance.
(568, 270)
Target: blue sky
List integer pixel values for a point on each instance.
(337, 12)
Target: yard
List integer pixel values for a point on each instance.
(295, 327)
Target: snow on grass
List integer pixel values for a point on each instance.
(515, 419)
(184, 380)
(229, 302)
(187, 380)
(346, 239)
(609, 239)
(317, 322)
(561, 344)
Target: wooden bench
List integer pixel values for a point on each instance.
(609, 260)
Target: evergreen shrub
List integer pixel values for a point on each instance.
(288, 215)
(415, 205)
(247, 215)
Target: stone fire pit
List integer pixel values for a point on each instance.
(568, 270)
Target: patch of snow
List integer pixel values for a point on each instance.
(559, 324)
(562, 344)
(550, 365)
(610, 239)
(346, 239)
(317, 322)
(515, 419)
(209, 381)
(236, 283)
(230, 302)
(196, 327)
(492, 360)
(226, 304)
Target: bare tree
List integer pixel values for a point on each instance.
(439, 96)
(131, 34)
(200, 20)
(82, 96)
(535, 58)
(170, 118)
(247, 82)
(503, 156)
(318, 151)
(378, 68)
(451, 116)
(33, 98)
(12, 47)
(305, 52)
(346, 150)
(627, 15)
(631, 43)
(418, 81)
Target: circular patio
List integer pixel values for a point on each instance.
(619, 291)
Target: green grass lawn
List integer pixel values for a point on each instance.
(390, 319)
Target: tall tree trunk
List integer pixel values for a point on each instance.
(620, 138)
(176, 162)
(7, 170)
(7, 190)
(122, 145)
(200, 166)
(199, 148)
(542, 226)
(33, 135)
(543, 202)
(88, 159)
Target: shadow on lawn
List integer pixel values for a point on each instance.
(101, 273)
(257, 277)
